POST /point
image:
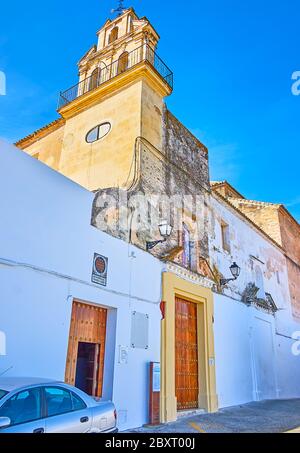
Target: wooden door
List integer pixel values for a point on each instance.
(186, 355)
(88, 325)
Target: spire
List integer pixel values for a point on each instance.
(121, 8)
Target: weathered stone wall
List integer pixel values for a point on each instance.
(186, 153)
(281, 227)
(171, 183)
(262, 214)
(294, 286)
(290, 234)
(252, 250)
(181, 166)
(180, 172)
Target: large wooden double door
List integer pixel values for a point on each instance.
(85, 359)
(186, 355)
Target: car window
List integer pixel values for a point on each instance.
(2, 393)
(23, 407)
(78, 404)
(59, 401)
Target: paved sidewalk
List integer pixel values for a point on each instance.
(274, 416)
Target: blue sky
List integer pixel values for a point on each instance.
(232, 61)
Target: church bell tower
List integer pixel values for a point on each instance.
(118, 98)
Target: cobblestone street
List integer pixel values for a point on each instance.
(274, 416)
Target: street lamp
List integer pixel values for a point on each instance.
(235, 271)
(165, 230)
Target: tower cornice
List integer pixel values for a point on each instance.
(142, 71)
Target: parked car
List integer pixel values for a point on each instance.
(31, 405)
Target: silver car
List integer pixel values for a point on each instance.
(30, 405)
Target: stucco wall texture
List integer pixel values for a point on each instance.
(280, 226)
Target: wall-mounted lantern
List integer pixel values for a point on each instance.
(235, 271)
(165, 230)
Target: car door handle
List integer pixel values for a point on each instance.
(39, 431)
(84, 419)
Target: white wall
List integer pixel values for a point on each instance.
(254, 358)
(232, 351)
(46, 253)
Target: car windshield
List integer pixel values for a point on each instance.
(2, 393)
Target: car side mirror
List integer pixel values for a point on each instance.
(4, 422)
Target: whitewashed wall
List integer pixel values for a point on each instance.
(46, 253)
(254, 358)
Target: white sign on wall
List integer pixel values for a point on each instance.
(139, 330)
(99, 274)
(123, 355)
(156, 377)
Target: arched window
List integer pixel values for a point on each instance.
(94, 79)
(113, 35)
(123, 63)
(259, 281)
(103, 73)
(225, 236)
(186, 244)
(131, 28)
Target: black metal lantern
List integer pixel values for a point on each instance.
(235, 272)
(165, 230)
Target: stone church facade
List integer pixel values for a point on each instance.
(116, 137)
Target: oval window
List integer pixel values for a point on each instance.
(98, 132)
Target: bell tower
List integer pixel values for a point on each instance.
(118, 98)
(117, 39)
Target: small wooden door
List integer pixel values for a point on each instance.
(88, 326)
(186, 358)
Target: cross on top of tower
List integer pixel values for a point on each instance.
(120, 8)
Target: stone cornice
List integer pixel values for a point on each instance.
(40, 133)
(190, 276)
(215, 185)
(142, 71)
